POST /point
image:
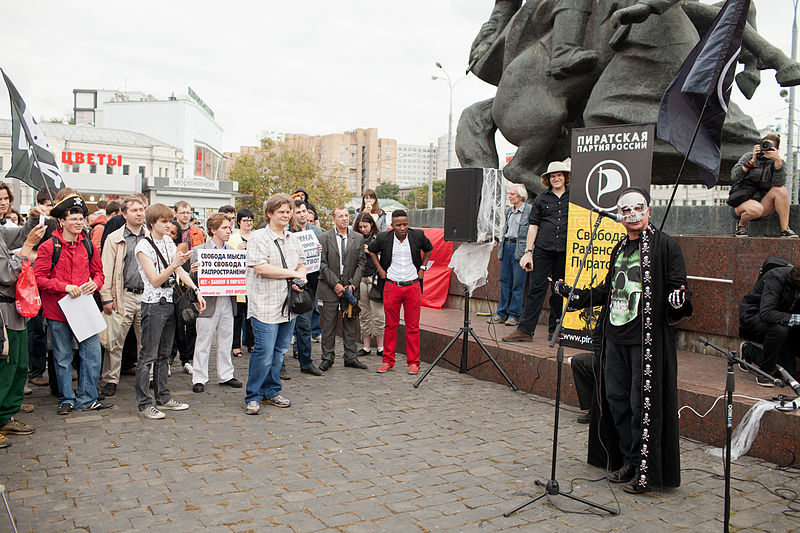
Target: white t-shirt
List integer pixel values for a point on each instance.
(402, 267)
(152, 295)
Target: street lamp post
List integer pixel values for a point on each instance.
(450, 84)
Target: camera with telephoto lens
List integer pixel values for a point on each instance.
(169, 284)
(766, 146)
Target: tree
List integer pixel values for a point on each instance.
(388, 190)
(276, 167)
(418, 196)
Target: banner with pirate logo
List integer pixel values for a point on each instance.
(605, 161)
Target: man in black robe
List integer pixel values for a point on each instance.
(643, 294)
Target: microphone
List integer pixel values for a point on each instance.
(609, 214)
(703, 340)
(788, 379)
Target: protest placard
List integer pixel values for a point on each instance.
(308, 240)
(221, 272)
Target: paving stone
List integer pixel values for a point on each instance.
(357, 452)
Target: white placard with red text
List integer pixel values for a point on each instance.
(221, 272)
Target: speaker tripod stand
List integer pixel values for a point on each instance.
(467, 331)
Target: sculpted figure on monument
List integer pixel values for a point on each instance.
(560, 64)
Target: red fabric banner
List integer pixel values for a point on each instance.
(437, 277)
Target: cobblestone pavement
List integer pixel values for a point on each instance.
(356, 452)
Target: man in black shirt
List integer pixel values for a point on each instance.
(643, 294)
(545, 250)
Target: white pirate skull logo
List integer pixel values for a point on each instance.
(645, 435)
(647, 402)
(645, 450)
(643, 466)
(647, 277)
(648, 370)
(626, 290)
(647, 386)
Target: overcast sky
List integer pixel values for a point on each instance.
(294, 67)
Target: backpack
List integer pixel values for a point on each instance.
(87, 243)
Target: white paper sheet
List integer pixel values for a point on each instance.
(83, 316)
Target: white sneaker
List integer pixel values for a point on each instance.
(169, 371)
(187, 367)
(151, 413)
(252, 408)
(173, 405)
(318, 338)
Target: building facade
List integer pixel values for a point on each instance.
(103, 163)
(362, 158)
(416, 164)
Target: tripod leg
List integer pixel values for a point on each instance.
(441, 354)
(493, 360)
(612, 512)
(524, 505)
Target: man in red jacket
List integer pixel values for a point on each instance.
(69, 264)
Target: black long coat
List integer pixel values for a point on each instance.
(660, 449)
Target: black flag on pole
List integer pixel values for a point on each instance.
(698, 97)
(32, 161)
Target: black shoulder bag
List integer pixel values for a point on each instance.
(183, 297)
(297, 302)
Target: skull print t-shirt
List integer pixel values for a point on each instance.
(624, 324)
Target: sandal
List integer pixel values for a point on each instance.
(236, 353)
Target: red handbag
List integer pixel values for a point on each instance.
(28, 300)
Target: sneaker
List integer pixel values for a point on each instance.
(385, 367)
(110, 389)
(284, 374)
(15, 427)
(413, 369)
(788, 234)
(512, 321)
(252, 408)
(277, 401)
(764, 382)
(173, 405)
(495, 319)
(97, 406)
(151, 413)
(65, 408)
(317, 338)
(187, 367)
(39, 381)
(27, 390)
(741, 231)
(5, 442)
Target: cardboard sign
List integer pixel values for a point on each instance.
(309, 242)
(605, 161)
(221, 272)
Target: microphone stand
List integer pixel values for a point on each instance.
(729, 388)
(551, 487)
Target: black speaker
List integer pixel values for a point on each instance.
(462, 196)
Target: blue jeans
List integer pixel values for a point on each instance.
(272, 342)
(302, 342)
(89, 372)
(512, 284)
(316, 330)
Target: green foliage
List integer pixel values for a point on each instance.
(276, 167)
(388, 190)
(417, 198)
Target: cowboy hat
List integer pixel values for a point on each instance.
(558, 166)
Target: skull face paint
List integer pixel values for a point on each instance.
(627, 289)
(632, 206)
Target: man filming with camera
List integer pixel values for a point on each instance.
(765, 174)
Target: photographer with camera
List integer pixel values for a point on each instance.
(758, 189)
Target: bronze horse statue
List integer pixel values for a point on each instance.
(636, 49)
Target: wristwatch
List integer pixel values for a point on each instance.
(423, 267)
(528, 251)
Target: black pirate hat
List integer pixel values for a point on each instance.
(71, 204)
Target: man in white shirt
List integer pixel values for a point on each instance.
(404, 254)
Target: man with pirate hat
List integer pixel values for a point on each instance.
(643, 295)
(69, 264)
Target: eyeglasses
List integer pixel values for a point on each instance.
(246, 220)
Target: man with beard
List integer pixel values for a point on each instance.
(643, 294)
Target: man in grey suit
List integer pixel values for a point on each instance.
(341, 267)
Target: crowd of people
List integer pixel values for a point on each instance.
(139, 261)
